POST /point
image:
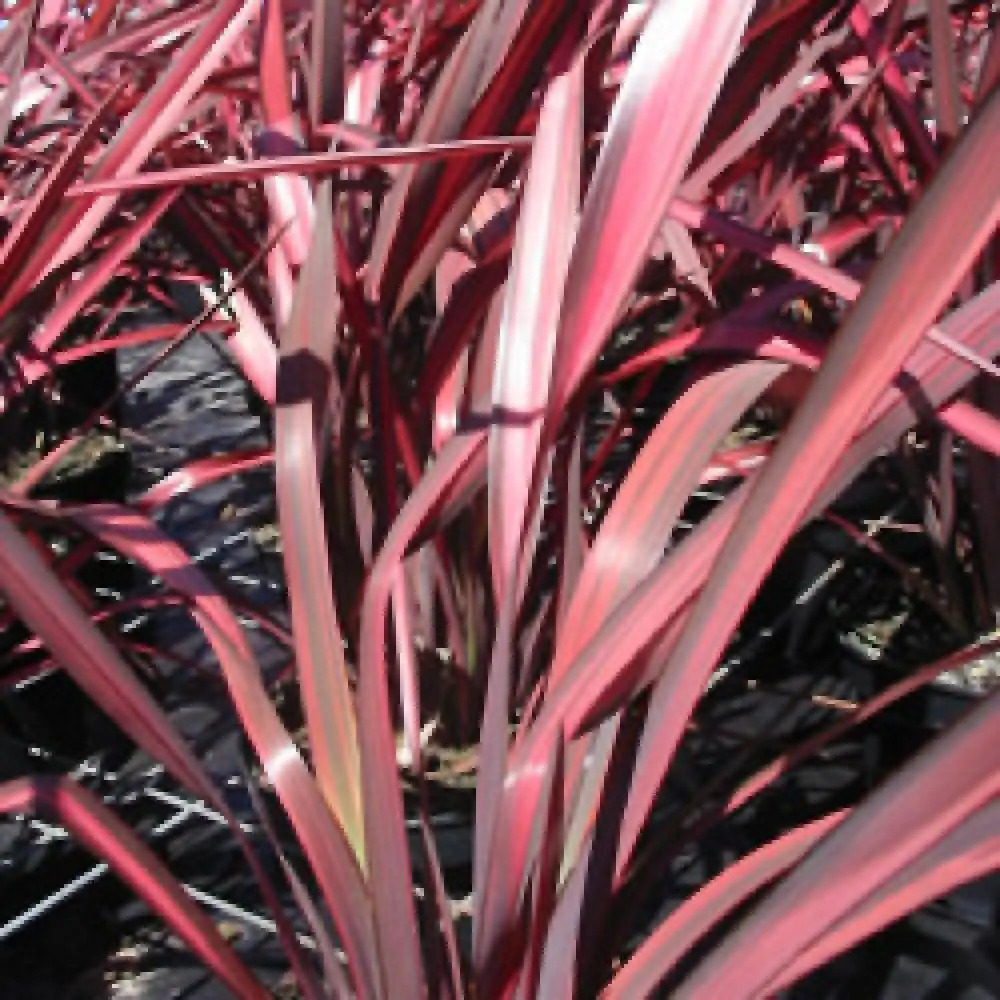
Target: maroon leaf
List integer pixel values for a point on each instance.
(304, 385)
(904, 295)
(62, 801)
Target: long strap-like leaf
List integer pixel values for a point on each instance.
(63, 801)
(903, 297)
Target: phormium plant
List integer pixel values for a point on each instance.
(515, 281)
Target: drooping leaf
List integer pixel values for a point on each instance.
(902, 298)
(323, 840)
(63, 801)
(695, 917)
(42, 601)
(910, 815)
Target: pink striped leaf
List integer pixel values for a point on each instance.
(969, 852)
(48, 608)
(909, 287)
(441, 119)
(61, 800)
(903, 297)
(519, 36)
(156, 115)
(638, 525)
(201, 472)
(529, 321)
(601, 678)
(385, 830)
(906, 819)
(322, 838)
(673, 79)
(19, 249)
(305, 381)
(695, 917)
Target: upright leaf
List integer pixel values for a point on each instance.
(385, 831)
(673, 79)
(529, 321)
(305, 373)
